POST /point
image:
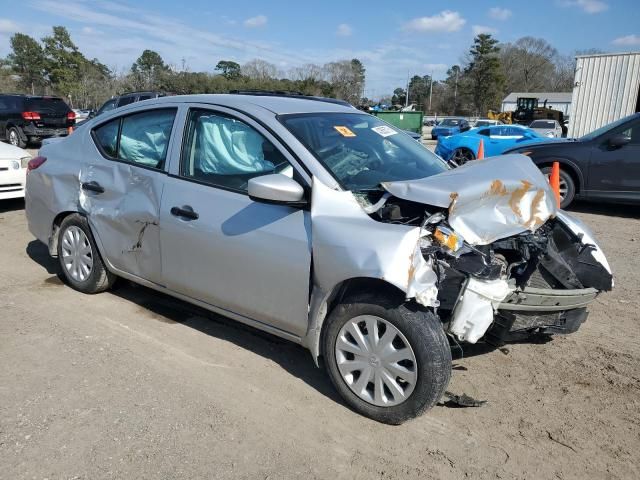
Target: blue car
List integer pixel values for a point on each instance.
(459, 149)
(450, 126)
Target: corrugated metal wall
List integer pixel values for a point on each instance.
(605, 89)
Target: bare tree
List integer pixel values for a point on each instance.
(259, 70)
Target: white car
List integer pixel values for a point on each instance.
(486, 122)
(547, 128)
(13, 171)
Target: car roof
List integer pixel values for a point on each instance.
(279, 105)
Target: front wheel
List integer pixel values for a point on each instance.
(567, 186)
(389, 361)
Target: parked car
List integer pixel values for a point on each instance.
(121, 101)
(13, 171)
(604, 165)
(331, 228)
(82, 114)
(463, 147)
(547, 128)
(486, 122)
(29, 118)
(449, 126)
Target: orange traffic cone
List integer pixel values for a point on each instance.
(554, 181)
(69, 130)
(480, 154)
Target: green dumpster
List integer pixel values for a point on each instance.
(405, 120)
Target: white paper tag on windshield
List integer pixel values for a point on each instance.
(384, 131)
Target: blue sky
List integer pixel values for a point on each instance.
(391, 38)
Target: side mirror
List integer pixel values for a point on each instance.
(619, 140)
(465, 128)
(275, 188)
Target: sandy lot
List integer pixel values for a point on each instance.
(133, 384)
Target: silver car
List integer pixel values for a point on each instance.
(320, 224)
(547, 128)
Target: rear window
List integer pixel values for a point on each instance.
(46, 105)
(450, 122)
(543, 124)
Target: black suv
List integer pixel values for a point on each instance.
(126, 99)
(29, 118)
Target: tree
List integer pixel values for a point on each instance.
(259, 70)
(229, 69)
(347, 79)
(483, 76)
(62, 61)
(148, 70)
(399, 96)
(419, 91)
(528, 64)
(27, 61)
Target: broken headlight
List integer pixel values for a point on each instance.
(448, 239)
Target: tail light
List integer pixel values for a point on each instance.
(35, 163)
(31, 115)
(71, 115)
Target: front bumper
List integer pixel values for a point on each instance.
(12, 183)
(547, 300)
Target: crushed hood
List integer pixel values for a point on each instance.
(488, 199)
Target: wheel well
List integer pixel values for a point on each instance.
(567, 168)
(351, 288)
(53, 239)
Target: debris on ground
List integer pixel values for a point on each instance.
(461, 401)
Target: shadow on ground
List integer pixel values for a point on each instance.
(161, 307)
(11, 205)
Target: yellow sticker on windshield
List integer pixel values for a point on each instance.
(344, 131)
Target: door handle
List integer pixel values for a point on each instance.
(185, 211)
(93, 187)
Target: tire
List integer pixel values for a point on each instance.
(567, 186)
(83, 272)
(420, 330)
(14, 137)
(460, 156)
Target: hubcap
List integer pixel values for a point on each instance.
(376, 361)
(77, 256)
(13, 138)
(563, 185)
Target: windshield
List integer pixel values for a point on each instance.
(450, 122)
(483, 123)
(360, 150)
(606, 128)
(542, 124)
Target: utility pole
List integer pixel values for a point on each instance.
(406, 100)
(455, 93)
(430, 89)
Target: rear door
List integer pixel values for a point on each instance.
(218, 245)
(122, 184)
(615, 172)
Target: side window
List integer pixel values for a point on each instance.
(110, 105)
(226, 152)
(498, 132)
(126, 101)
(486, 132)
(141, 138)
(632, 131)
(144, 137)
(107, 137)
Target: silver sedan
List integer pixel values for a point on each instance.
(324, 225)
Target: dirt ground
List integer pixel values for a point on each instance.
(133, 384)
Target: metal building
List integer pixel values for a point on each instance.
(556, 100)
(606, 88)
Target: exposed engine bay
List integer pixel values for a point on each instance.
(534, 265)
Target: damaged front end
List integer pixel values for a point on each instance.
(483, 245)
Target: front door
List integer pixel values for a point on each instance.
(121, 187)
(615, 172)
(221, 247)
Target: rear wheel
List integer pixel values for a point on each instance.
(460, 156)
(389, 362)
(79, 257)
(15, 139)
(567, 186)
